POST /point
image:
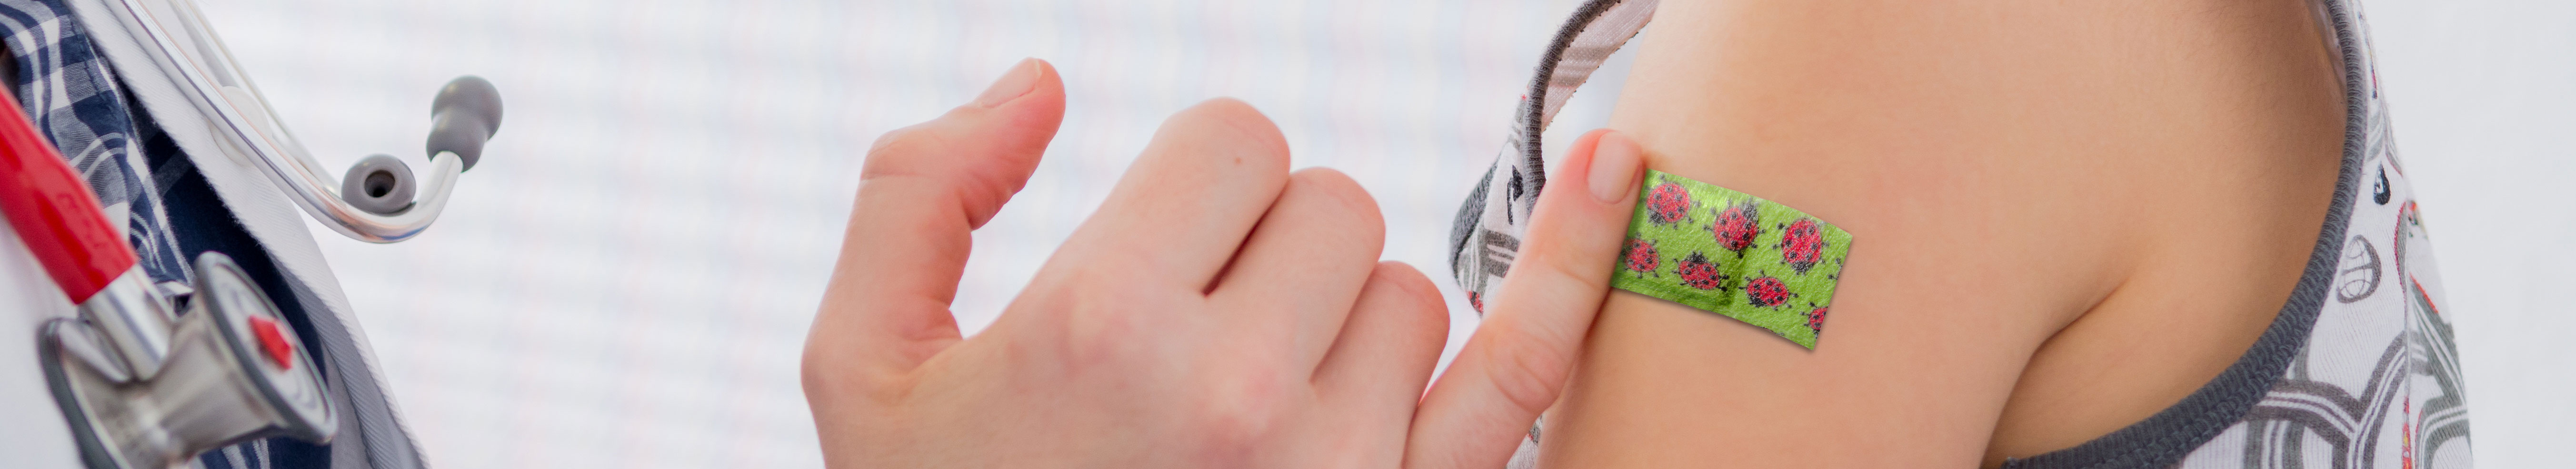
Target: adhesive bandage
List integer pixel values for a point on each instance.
(1732, 254)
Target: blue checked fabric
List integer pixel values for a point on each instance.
(73, 98)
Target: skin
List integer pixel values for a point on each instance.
(2067, 217)
(1217, 311)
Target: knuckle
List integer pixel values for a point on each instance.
(1408, 284)
(1562, 261)
(1233, 128)
(899, 138)
(1526, 369)
(1564, 274)
(830, 385)
(1098, 325)
(819, 381)
(1241, 119)
(1232, 432)
(1242, 412)
(1346, 195)
(895, 152)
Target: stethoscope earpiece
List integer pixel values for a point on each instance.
(466, 113)
(464, 116)
(379, 184)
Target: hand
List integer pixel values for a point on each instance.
(1535, 324)
(1217, 311)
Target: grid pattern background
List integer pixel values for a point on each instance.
(627, 280)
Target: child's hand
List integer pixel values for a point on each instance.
(1217, 311)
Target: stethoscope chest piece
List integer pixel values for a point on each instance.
(236, 370)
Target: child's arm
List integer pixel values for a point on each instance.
(2066, 217)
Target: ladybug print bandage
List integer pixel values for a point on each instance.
(1733, 254)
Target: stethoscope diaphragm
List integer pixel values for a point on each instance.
(236, 371)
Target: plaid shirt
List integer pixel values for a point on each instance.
(74, 100)
(72, 96)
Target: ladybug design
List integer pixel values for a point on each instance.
(1476, 301)
(1669, 203)
(1640, 256)
(1801, 246)
(1698, 272)
(1816, 320)
(1736, 226)
(1767, 291)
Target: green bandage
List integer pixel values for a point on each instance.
(1733, 254)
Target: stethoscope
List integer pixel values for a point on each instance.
(378, 200)
(152, 374)
(149, 375)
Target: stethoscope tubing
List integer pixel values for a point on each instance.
(54, 213)
(171, 37)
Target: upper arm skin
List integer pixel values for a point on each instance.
(2004, 168)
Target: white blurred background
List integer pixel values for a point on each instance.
(626, 281)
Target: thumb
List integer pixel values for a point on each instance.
(922, 191)
(1520, 357)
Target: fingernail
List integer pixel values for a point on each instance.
(1614, 168)
(1018, 81)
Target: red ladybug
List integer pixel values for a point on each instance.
(1698, 272)
(1801, 246)
(1669, 203)
(1736, 226)
(1816, 320)
(1767, 291)
(1641, 256)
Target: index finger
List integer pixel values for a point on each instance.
(1514, 366)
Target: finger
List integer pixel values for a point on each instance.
(1386, 351)
(1293, 282)
(921, 192)
(1521, 355)
(1188, 200)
